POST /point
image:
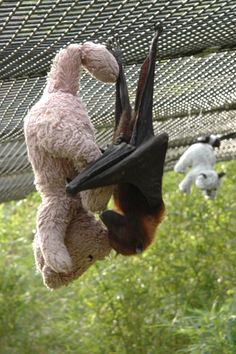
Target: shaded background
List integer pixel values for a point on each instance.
(195, 91)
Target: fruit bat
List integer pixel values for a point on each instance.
(134, 164)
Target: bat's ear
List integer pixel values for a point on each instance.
(116, 223)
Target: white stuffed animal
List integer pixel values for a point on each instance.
(200, 158)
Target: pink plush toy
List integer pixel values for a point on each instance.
(61, 142)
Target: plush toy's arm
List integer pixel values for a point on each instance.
(53, 218)
(185, 185)
(96, 200)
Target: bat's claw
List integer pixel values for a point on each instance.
(113, 43)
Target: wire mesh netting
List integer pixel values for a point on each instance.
(195, 91)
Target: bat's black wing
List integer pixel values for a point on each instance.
(110, 158)
(143, 128)
(142, 167)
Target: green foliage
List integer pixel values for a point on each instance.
(177, 297)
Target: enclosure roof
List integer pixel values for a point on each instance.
(194, 94)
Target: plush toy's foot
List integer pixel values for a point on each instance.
(53, 280)
(183, 189)
(59, 261)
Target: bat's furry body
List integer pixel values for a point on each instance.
(138, 168)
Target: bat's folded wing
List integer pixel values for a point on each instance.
(142, 166)
(87, 179)
(146, 169)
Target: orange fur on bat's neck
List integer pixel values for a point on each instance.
(150, 224)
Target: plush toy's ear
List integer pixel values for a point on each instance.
(100, 63)
(210, 139)
(221, 174)
(214, 140)
(203, 139)
(202, 181)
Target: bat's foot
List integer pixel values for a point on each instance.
(119, 140)
(113, 45)
(158, 28)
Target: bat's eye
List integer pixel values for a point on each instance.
(90, 258)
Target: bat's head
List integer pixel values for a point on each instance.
(130, 237)
(209, 182)
(121, 235)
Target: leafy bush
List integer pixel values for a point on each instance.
(177, 297)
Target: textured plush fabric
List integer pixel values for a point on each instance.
(61, 141)
(86, 241)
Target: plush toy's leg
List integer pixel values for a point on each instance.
(52, 220)
(185, 185)
(96, 200)
(180, 167)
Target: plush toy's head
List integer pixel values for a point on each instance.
(209, 182)
(86, 240)
(95, 58)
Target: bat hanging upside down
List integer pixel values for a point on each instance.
(134, 164)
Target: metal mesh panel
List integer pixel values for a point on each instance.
(195, 91)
